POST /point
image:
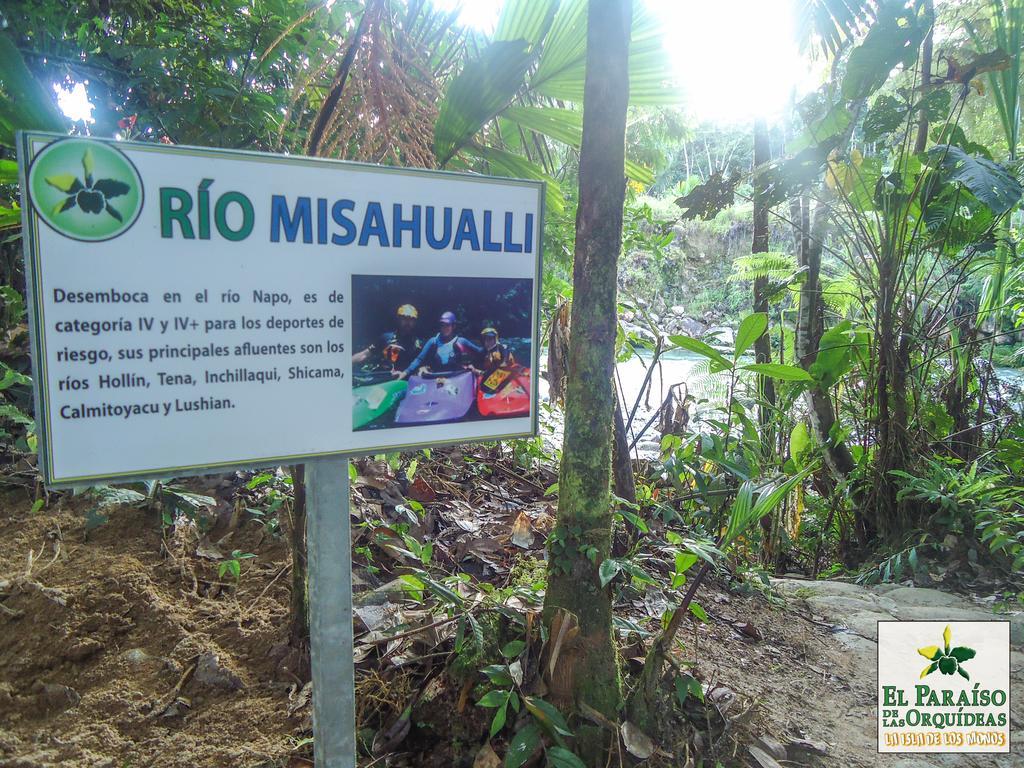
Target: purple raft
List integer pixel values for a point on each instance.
(444, 398)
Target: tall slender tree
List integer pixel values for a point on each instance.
(587, 667)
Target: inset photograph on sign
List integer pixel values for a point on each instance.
(431, 350)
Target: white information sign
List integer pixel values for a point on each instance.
(194, 309)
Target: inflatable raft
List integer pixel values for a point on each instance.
(371, 402)
(505, 392)
(444, 397)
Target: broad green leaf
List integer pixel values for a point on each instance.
(799, 442)
(698, 611)
(752, 327)
(684, 561)
(441, 591)
(499, 717)
(483, 88)
(560, 757)
(493, 699)
(886, 115)
(513, 649)
(688, 685)
(893, 39)
(988, 181)
(498, 674)
(834, 355)
(779, 371)
(546, 714)
(608, 570)
(524, 743)
(699, 347)
(26, 104)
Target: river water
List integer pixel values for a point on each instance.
(709, 390)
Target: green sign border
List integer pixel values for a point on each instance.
(29, 143)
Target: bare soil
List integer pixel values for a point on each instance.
(101, 634)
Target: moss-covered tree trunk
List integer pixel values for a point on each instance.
(763, 345)
(587, 669)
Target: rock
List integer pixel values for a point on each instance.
(806, 588)
(691, 327)
(857, 644)
(919, 597)
(833, 606)
(137, 657)
(210, 672)
(722, 335)
(762, 758)
(83, 649)
(772, 746)
(965, 614)
(54, 697)
(678, 310)
(864, 623)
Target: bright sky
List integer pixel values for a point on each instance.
(74, 102)
(734, 59)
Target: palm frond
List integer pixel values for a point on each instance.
(831, 23)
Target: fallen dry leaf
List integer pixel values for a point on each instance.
(487, 757)
(522, 531)
(637, 743)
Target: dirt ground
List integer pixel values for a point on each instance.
(102, 634)
(121, 647)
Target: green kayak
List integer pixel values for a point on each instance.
(371, 402)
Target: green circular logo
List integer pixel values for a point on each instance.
(86, 190)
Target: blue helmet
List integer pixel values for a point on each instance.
(448, 318)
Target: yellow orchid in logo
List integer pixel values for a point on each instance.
(946, 660)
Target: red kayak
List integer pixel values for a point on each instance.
(504, 392)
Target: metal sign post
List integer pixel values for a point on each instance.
(329, 546)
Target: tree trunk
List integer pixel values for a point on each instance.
(810, 325)
(588, 671)
(298, 605)
(763, 346)
(622, 464)
(926, 78)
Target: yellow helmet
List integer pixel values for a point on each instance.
(408, 310)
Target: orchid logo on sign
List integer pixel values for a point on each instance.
(85, 190)
(959, 702)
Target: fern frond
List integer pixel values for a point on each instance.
(770, 264)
